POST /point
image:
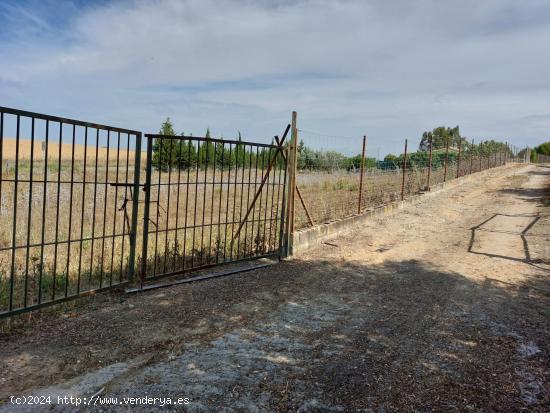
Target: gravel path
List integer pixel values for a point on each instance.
(443, 306)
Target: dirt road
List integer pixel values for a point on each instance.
(443, 306)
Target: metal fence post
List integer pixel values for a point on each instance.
(135, 205)
(404, 172)
(471, 158)
(361, 176)
(458, 162)
(430, 164)
(506, 153)
(480, 156)
(446, 160)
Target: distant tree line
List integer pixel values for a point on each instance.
(184, 154)
(440, 138)
(320, 160)
(542, 149)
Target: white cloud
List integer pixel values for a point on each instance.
(389, 69)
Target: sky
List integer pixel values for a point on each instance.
(387, 69)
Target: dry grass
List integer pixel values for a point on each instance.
(197, 219)
(86, 212)
(80, 152)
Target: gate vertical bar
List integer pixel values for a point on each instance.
(283, 222)
(147, 190)
(135, 204)
(14, 224)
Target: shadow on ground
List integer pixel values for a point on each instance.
(303, 335)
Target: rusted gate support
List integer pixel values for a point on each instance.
(305, 207)
(361, 177)
(311, 222)
(264, 180)
(404, 173)
(430, 165)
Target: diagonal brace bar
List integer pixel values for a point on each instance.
(311, 222)
(264, 180)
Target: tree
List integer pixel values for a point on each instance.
(543, 149)
(165, 151)
(440, 136)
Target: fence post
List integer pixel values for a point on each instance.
(404, 173)
(459, 153)
(135, 206)
(446, 157)
(480, 148)
(471, 158)
(429, 164)
(505, 153)
(291, 172)
(361, 177)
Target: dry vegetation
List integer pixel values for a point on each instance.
(85, 228)
(38, 150)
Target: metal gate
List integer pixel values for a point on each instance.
(211, 201)
(69, 197)
(68, 219)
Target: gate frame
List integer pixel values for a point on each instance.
(280, 151)
(132, 235)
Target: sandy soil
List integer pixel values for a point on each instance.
(443, 306)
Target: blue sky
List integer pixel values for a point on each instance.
(386, 69)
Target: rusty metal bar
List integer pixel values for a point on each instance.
(404, 172)
(458, 161)
(361, 176)
(264, 179)
(302, 201)
(446, 160)
(471, 157)
(430, 164)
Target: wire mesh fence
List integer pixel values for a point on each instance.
(331, 186)
(77, 198)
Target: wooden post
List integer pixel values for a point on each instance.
(361, 177)
(458, 162)
(446, 156)
(404, 172)
(291, 175)
(430, 164)
(310, 219)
